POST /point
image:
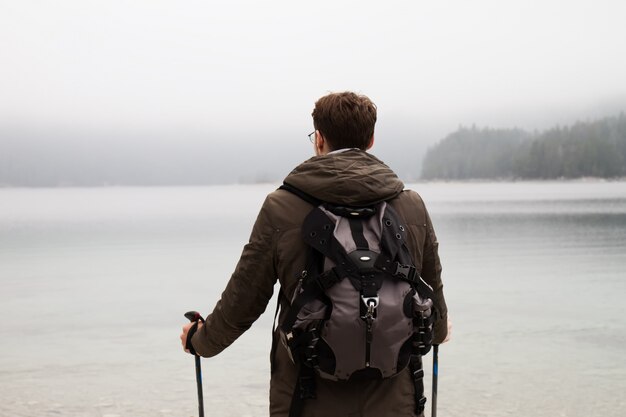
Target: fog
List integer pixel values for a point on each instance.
(164, 92)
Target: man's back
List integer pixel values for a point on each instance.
(276, 251)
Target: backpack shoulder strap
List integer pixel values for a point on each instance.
(306, 197)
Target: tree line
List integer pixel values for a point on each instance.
(585, 149)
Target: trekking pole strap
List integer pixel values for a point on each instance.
(190, 333)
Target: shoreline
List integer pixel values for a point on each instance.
(278, 182)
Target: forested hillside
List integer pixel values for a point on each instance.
(586, 149)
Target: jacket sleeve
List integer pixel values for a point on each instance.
(431, 273)
(247, 294)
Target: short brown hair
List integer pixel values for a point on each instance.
(346, 120)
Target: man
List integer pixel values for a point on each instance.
(342, 172)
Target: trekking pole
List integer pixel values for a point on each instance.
(435, 373)
(194, 316)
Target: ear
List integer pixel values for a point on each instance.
(370, 144)
(319, 143)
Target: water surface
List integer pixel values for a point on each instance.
(95, 280)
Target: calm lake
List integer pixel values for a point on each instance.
(94, 283)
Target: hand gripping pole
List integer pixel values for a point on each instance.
(194, 316)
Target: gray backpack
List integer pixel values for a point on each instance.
(360, 310)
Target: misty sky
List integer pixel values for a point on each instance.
(249, 71)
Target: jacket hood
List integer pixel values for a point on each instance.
(353, 177)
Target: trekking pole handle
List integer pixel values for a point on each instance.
(194, 316)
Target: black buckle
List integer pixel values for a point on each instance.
(406, 271)
(327, 279)
(420, 405)
(419, 374)
(354, 212)
(307, 387)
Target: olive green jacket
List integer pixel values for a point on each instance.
(276, 251)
